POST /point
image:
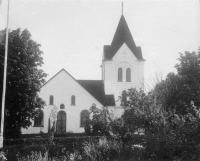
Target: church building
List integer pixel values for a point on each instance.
(70, 99)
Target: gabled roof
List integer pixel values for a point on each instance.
(122, 35)
(57, 74)
(96, 89)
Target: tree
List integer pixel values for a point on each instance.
(177, 90)
(24, 80)
(168, 136)
(98, 125)
(189, 68)
(142, 111)
(173, 93)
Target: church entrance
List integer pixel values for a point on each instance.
(61, 121)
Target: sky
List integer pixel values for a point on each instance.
(72, 33)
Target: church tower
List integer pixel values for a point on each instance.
(123, 63)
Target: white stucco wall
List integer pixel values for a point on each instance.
(62, 87)
(124, 58)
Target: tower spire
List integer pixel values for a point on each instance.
(122, 7)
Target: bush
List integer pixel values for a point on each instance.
(180, 144)
(61, 147)
(104, 150)
(167, 136)
(99, 122)
(109, 149)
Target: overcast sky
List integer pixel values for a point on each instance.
(72, 32)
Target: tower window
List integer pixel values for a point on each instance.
(73, 100)
(38, 119)
(128, 75)
(120, 75)
(51, 100)
(84, 117)
(62, 106)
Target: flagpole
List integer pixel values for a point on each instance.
(4, 80)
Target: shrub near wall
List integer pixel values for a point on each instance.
(83, 148)
(44, 141)
(60, 146)
(169, 147)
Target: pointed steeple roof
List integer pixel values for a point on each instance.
(122, 35)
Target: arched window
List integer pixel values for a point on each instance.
(84, 117)
(61, 121)
(128, 75)
(73, 100)
(51, 100)
(62, 106)
(38, 119)
(120, 75)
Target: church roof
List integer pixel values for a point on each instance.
(96, 89)
(122, 35)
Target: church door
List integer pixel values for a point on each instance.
(61, 121)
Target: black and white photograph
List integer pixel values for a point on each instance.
(100, 80)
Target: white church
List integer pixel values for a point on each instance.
(122, 69)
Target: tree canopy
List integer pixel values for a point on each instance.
(142, 111)
(177, 90)
(24, 80)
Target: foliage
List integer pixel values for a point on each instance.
(168, 92)
(179, 144)
(99, 122)
(189, 68)
(104, 150)
(107, 149)
(62, 148)
(51, 127)
(24, 80)
(61, 155)
(117, 128)
(168, 135)
(182, 143)
(142, 111)
(36, 156)
(2, 156)
(177, 90)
